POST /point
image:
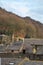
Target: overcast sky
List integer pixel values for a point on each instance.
(31, 8)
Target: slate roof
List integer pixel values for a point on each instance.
(15, 46)
(34, 41)
(30, 42)
(2, 48)
(6, 61)
(27, 43)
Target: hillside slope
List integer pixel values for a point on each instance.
(26, 27)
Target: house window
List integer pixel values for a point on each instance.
(12, 50)
(24, 51)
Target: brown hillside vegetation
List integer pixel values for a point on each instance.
(26, 27)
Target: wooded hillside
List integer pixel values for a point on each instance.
(26, 27)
